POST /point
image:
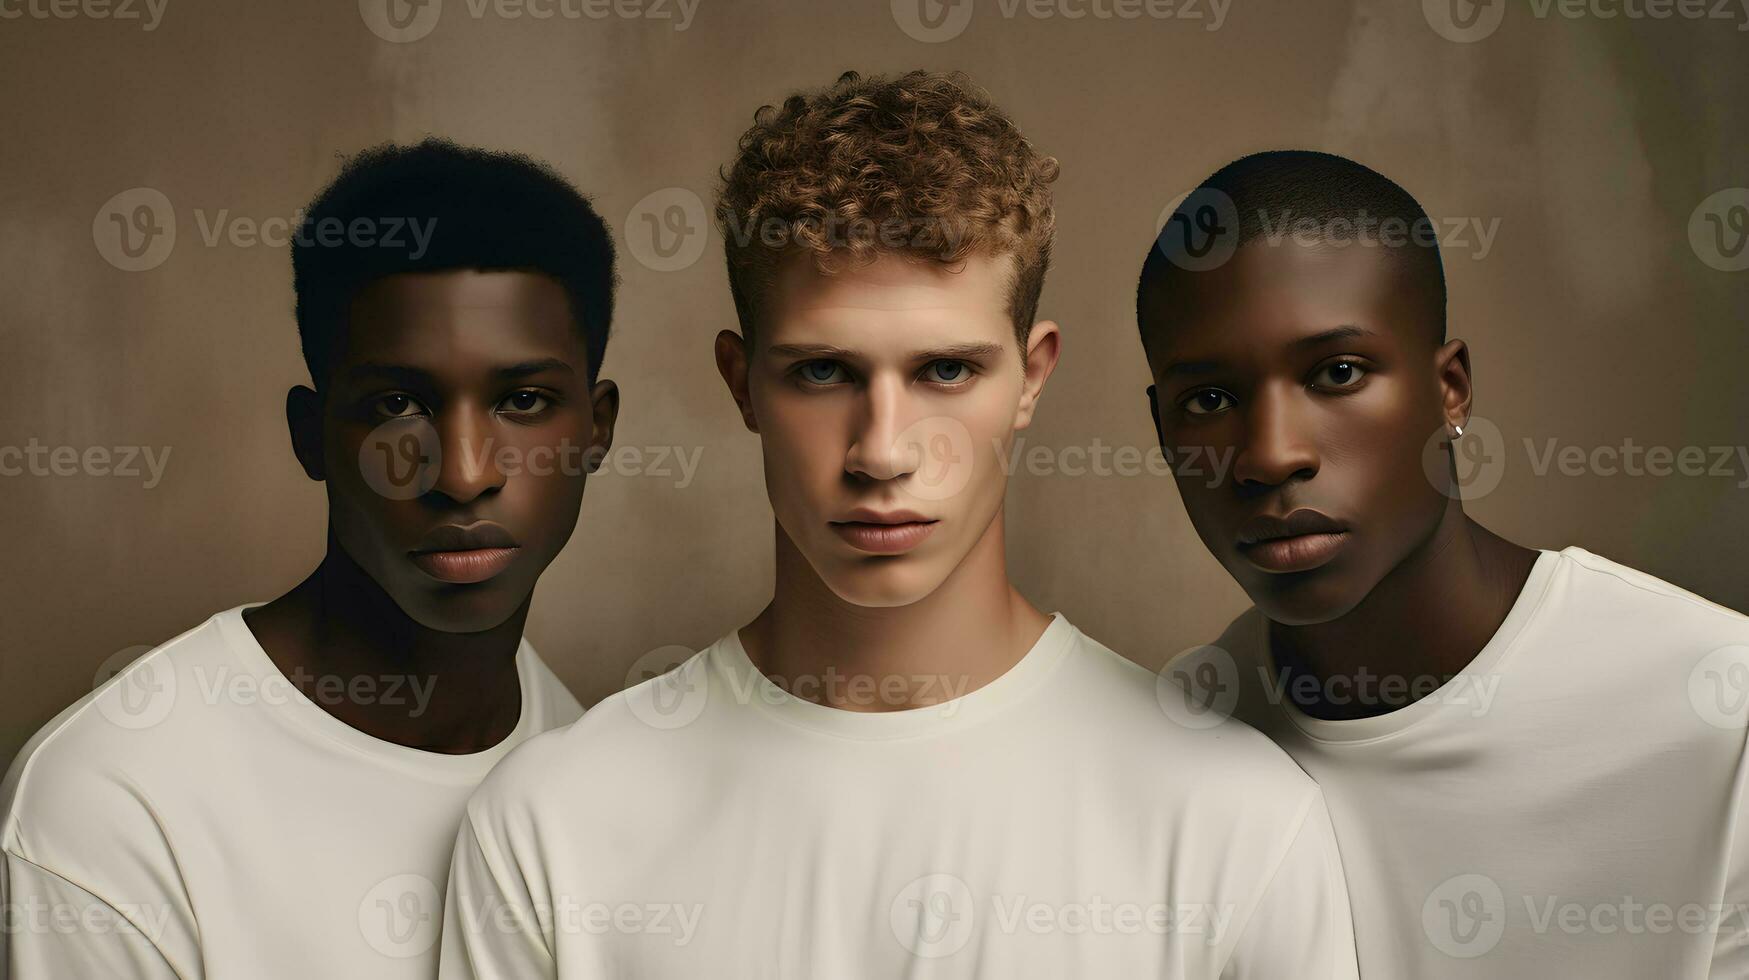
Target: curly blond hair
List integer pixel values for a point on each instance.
(922, 165)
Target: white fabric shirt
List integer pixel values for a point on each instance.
(1056, 822)
(1571, 805)
(198, 817)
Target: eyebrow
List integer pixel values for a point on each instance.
(1346, 331)
(377, 369)
(950, 352)
(525, 368)
(522, 369)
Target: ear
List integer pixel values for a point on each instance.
(1154, 417)
(732, 365)
(1043, 345)
(303, 416)
(1452, 368)
(604, 412)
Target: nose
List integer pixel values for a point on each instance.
(1277, 446)
(468, 464)
(876, 452)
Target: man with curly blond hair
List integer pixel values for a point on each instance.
(900, 767)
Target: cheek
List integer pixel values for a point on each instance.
(353, 502)
(990, 418)
(1380, 466)
(369, 527)
(549, 491)
(988, 415)
(961, 448)
(803, 448)
(545, 474)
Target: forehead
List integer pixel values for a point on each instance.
(893, 300)
(431, 318)
(1268, 295)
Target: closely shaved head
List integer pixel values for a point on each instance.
(1292, 197)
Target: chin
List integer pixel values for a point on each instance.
(1303, 598)
(882, 583)
(450, 609)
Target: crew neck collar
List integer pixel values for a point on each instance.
(290, 705)
(1491, 658)
(746, 684)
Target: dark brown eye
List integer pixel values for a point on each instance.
(1208, 401)
(1339, 374)
(396, 406)
(525, 402)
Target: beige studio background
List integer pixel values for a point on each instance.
(1588, 144)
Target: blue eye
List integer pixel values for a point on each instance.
(822, 372)
(1207, 402)
(948, 372)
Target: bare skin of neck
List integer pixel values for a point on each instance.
(965, 634)
(348, 648)
(1423, 623)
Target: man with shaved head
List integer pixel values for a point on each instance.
(1534, 759)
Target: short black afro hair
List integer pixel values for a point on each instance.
(436, 205)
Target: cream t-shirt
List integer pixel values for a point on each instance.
(1056, 822)
(198, 817)
(1570, 805)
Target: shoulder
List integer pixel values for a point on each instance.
(620, 741)
(1629, 591)
(1223, 793)
(87, 775)
(1189, 735)
(1657, 628)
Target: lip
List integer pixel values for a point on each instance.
(1301, 541)
(465, 554)
(867, 515)
(884, 533)
(465, 567)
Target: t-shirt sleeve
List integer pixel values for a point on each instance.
(1731, 944)
(56, 929)
(490, 928)
(1301, 926)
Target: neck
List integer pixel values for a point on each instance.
(352, 651)
(966, 633)
(1423, 623)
